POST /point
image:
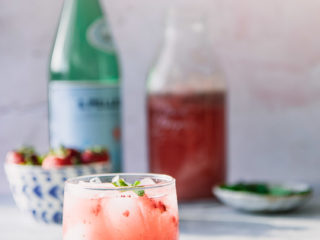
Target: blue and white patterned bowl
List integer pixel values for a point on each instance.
(39, 192)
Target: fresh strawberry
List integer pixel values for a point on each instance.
(61, 157)
(74, 155)
(23, 156)
(52, 161)
(15, 158)
(96, 154)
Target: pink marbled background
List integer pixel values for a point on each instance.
(270, 50)
(271, 53)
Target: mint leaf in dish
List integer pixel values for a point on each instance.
(263, 189)
(257, 188)
(279, 191)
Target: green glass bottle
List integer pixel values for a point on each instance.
(83, 89)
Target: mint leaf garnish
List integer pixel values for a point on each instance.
(120, 182)
(136, 183)
(140, 193)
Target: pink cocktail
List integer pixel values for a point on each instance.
(125, 206)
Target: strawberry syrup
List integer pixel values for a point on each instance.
(187, 141)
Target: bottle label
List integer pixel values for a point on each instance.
(84, 115)
(99, 36)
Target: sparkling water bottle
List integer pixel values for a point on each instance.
(83, 89)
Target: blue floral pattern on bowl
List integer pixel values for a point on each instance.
(39, 192)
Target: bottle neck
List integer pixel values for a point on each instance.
(188, 61)
(189, 42)
(83, 48)
(87, 9)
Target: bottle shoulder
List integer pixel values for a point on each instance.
(83, 48)
(170, 74)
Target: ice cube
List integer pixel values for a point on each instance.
(147, 182)
(115, 179)
(95, 180)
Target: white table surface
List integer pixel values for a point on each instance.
(198, 221)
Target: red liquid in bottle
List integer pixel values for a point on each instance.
(187, 140)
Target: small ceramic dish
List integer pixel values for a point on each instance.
(265, 203)
(39, 192)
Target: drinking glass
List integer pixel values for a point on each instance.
(101, 207)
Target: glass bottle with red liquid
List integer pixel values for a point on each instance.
(186, 105)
